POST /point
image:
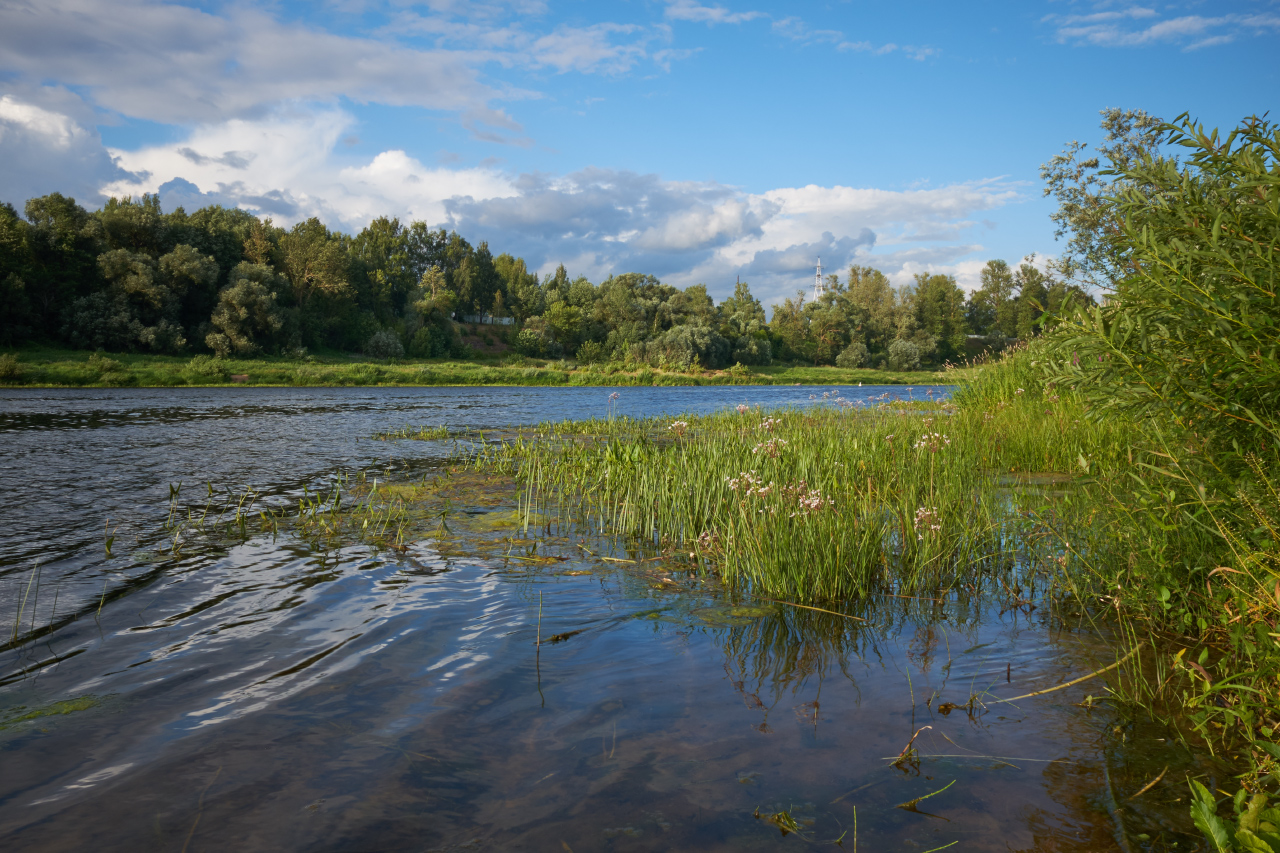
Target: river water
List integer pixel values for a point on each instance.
(269, 695)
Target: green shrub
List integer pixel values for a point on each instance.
(1192, 332)
(530, 343)
(903, 355)
(753, 350)
(10, 370)
(202, 367)
(591, 352)
(102, 365)
(854, 355)
(384, 344)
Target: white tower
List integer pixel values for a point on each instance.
(818, 287)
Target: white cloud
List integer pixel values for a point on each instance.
(45, 150)
(1139, 25)
(587, 49)
(285, 165)
(690, 10)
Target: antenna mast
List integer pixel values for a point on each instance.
(818, 287)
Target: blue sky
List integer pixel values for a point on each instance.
(699, 141)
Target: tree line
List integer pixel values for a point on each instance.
(129, 277)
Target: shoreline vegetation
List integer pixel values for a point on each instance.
(58, 368)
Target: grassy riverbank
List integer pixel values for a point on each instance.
(53, 368)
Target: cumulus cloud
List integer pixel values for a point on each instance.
(609, 221)
(1135, 26)
(46, 150)
(286, 165)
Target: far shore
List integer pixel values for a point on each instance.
(59, 368)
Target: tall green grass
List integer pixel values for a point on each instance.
(850, 498)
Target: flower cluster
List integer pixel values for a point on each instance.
(750, 484)
(804, 500)
(678, 427)
(743, 408)
(769, 424)
(926, 521)
(808, 501)
(932, 442)
(771, 448)
(708, 540)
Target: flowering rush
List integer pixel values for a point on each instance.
(749, 483)
(678, 427)
(932, 442)
(926, 521)
(771, 448)
(808, 501)
(742, 408)
(768, 424)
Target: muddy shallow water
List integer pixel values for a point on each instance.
(264, 693)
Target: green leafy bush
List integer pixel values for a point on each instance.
(384, 344)
(1192, 332)
(10, 370)
(903, 356)
(102, 365)
(530, 343)
(591, 352)
(854, 355)
(753, 350)
(205, 368)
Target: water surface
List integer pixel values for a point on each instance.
(262, 693)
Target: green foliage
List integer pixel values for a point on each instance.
(530, 343)
(247, 316)
(1257, 827)
(1082, 185)
(753, 349)
(10, 369)
(203, 369)
(384, 344)
(132, 278)
(903, 355)
(1192, 329)
(103, 366)
(854, 355)
(592, 352)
